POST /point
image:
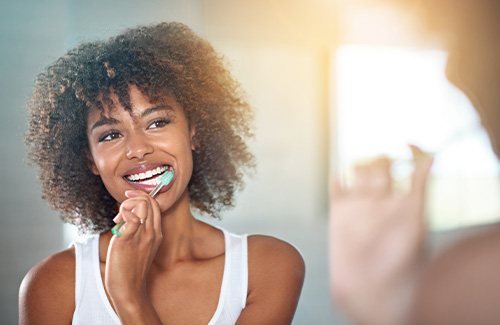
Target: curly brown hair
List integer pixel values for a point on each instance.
(165, 59)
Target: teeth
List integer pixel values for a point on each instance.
(152, 181)
(147, 174)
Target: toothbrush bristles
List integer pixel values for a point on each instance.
(165, 179)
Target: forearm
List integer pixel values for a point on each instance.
(137, 311)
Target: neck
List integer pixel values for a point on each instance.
(180, 230)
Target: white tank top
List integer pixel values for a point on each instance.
(93, 307)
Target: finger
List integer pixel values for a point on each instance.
(423, 163)
(132, 203)
(373, 177)
(149, 221)
(141, 211)
(336, 189)
(359, 178)
(135, 193)
(380, 175)
(138, 206)
(131, 224)
(117, 218)
(154, 214)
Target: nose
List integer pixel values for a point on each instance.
(138, 146)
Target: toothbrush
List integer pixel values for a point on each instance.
(165, 179)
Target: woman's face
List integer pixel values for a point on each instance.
(130, 149)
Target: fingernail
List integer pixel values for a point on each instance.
(130, 193)
(117, 218)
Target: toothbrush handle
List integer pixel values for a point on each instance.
(116, 229)
(156, 189)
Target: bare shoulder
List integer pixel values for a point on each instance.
(465, 279)
(275, 277)
(47, 291)
(269, 252)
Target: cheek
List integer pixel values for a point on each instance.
(101, 163)
(184, 155)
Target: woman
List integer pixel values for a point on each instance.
(106, 120)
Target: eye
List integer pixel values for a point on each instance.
(159, 123)
(109, 136)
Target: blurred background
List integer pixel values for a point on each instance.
(331, 81)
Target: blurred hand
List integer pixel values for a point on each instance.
(377, 241)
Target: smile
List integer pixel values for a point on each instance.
(149, 177)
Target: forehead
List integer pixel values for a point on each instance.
(139, 103)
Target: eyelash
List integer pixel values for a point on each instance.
(113, 134)
(162, 121)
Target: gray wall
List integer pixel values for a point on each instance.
(31, 36)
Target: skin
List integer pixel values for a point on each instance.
(154, 268)
(462, 285)
(376, 236)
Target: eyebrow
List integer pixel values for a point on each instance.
(104, 121)
(111, 121)
(151, 110)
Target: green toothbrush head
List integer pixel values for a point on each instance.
(164, 180)
(167, 177)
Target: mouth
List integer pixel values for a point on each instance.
(147, 179)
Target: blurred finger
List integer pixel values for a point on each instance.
(380, 175)
(360, 178)
(336, 189)
(373, 177)
(423, 163)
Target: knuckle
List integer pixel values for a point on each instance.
(125, 216)
(147, 240)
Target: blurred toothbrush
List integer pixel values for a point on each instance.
(164, 180)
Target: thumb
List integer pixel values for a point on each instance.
(423, 163)
(134, 193)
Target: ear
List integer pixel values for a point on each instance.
(92, 165)
(192, 133)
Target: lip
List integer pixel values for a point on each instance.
(141, 168)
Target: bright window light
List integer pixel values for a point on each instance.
(387, 97)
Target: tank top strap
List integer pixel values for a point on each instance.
(238, 254)
(234, 289)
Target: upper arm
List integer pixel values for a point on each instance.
(275, 277)
(462, 286)
(47, 293)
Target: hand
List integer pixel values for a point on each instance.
(377, 241)
(130, 255)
